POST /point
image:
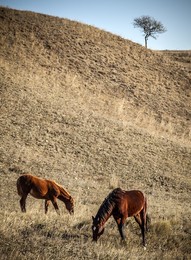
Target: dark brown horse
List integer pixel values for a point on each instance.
(43, 189)
(121, 205)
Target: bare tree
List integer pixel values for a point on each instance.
(149, 26)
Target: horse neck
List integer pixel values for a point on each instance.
(105, 211)
(64, 195)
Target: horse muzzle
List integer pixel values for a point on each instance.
(94, 239)
(72, 212)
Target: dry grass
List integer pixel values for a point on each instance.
(92, 111)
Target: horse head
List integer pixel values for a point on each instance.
(97, 228)
(70, 205)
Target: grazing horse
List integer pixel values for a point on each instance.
(121, 205)
(43, 189)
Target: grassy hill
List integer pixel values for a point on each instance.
(92, 111)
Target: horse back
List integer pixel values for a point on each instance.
(53, 188)
(37, 187)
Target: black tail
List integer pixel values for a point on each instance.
(19, 188)
(23, 185)
(148, 222)
(148, 219)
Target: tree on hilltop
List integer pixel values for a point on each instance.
(149, 26)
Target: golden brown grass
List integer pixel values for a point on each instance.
(92, 111)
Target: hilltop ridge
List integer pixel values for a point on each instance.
(133, 78)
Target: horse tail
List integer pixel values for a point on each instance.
(19, 187)
(148, 222)
(145, 205)
(23, 185)
(147, 216)
(145, 213)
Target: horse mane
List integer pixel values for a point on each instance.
(63, 191)
(108, 205)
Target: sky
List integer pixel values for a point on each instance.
(116, 16)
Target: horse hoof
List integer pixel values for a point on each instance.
(123, 242)
(145, 248)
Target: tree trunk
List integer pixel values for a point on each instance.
(146, 42)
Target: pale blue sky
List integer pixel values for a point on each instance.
(117, 16)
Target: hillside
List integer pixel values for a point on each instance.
(181, 57)
(92, 111)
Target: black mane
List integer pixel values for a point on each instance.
(108, 205)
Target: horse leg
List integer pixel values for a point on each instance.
(55, 205)
(47, 202)
(140, 220)
(23, 203)
(120, 225)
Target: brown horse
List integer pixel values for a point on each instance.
(43, 189)
(121, 205)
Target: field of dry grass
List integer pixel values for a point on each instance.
(92, 111)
